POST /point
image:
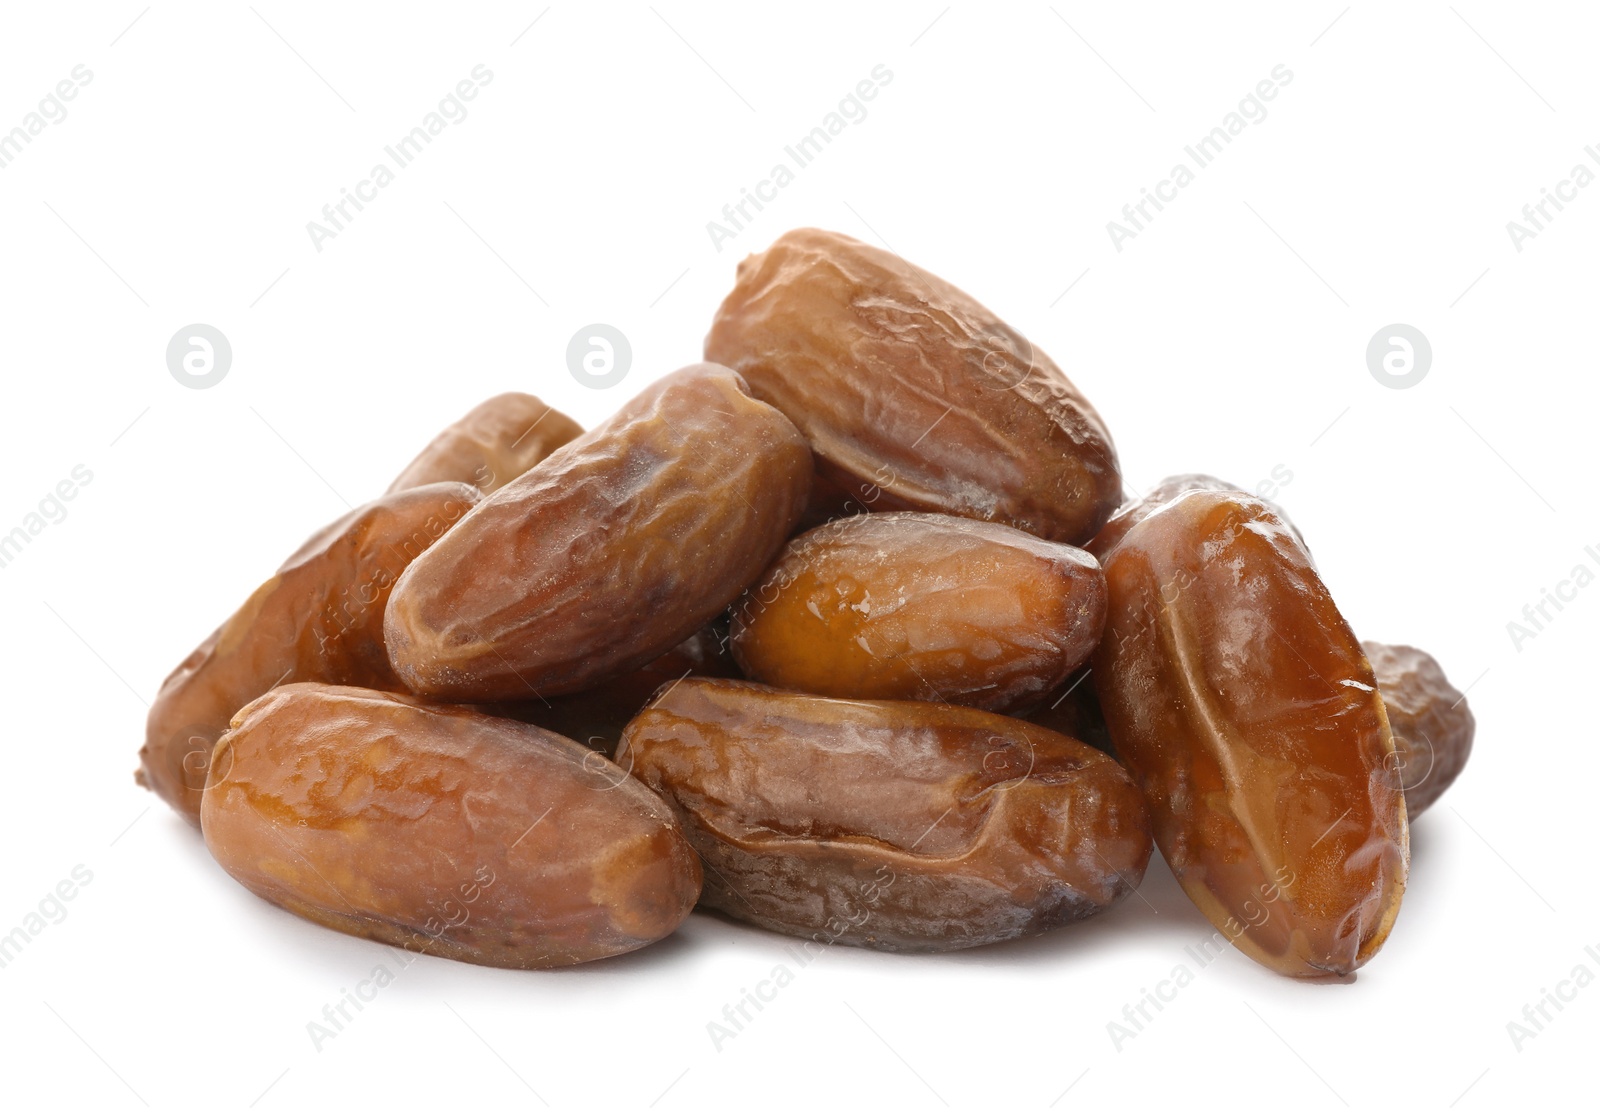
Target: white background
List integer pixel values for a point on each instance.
(1228, 337)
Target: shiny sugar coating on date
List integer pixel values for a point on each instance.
(442, 830)
(1250, 717)
(914, 606)
(893, 825)
(912, 394)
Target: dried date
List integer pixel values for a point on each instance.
(892, 825)
(914, 606)
(1249, 715)
(607, 554)
(443, 830)
(912, 394)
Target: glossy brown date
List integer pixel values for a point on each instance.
(610, 552)
(1432, 724)
(442, 830)
(912, 394)
(1250, 717)
(892, 825)
(914, 606)
(491, 445)
(319, 618)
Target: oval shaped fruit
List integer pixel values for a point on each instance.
(1248, 714)
(1432, 724)
(893, 825)
(319, 618)
(913, 606)
(912, 394)
(614, 549)
(491, 445)
(442, 830)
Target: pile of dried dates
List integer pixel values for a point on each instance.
(848, 633)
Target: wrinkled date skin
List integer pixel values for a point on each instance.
(319, 618)
(1137, 510)
(494, 443)
(442, 830)
(616, 548)
(914, 606)
(892, 825)
(1433, 727)
(913, 395)
(1248, 714)
(596, 717)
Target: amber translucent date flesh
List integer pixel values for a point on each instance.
(319, 618)
(1246, 710)
(491, 445)
(442, 830)
(1433, 727)
(610, 552)
(915, 606)
(596, 717)
(913, 395)
(892, 825)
